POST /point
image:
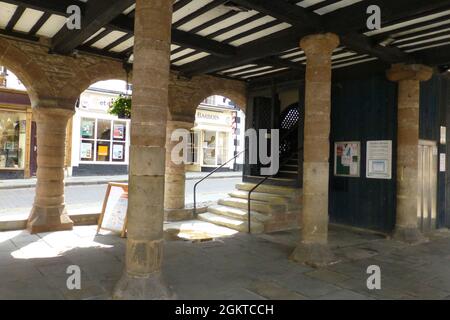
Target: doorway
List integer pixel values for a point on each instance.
(427, 188)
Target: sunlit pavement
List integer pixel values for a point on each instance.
(233, 266)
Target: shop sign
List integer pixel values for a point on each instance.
(211, 117)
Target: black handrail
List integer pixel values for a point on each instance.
(249, 205)
(207, 176)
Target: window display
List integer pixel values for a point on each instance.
(103, 140)
(12, 140)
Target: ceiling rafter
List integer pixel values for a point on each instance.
(344, 21)
(98, 13)
(58, 7)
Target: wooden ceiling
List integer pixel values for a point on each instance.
(248, 40)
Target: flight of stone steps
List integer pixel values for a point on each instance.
(273, 208)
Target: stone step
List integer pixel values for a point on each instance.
(235, 224)
(287, 174)
(239, 214)
(261, 196)
(288, 192)
(292, 167)
(260, 206)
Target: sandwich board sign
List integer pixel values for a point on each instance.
(114, 212)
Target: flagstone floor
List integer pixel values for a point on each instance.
(235, 266)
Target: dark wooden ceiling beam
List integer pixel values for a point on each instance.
(268, 46)
(298, 16)
(54, 7)
(98, 13)
(285, 11)
(182, 38)
(354, 18)
(344, 21)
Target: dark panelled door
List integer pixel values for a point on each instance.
(266, 113)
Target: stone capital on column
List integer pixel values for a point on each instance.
(413, 72)
(319, 44)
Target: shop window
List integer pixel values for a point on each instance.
(215, 148)
(222, 148)
(103, 140)
(12, 140)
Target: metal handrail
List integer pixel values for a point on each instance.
(249, 205)
(210, 174)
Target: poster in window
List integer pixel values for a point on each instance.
(103, 151)
(87, 128)
(118, 152)
(119, 131)
(86, 150)
(347, 159)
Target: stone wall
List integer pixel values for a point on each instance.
(61, 79)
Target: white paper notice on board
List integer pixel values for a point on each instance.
(379, 159)
(442, 162)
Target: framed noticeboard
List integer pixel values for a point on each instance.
(347, 159)
(379, 159)
(114, 212)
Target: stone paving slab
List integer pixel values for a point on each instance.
(239, 266)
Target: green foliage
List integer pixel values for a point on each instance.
(121, 107)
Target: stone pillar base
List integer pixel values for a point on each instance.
(409, 235)
(49, 219)
(152, 287)
(178, 214)
(314, 254)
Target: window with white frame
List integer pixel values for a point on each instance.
(103, 140)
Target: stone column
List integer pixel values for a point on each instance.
(49, 211)
(408, 78)
(175, 179)
(313, 248)
(142, 278)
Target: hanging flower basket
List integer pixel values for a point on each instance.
(121, 107)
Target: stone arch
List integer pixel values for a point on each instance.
(185, 95)
(23, 66)
(100, 70)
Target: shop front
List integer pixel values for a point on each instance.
(15, 134)
(100, 141)
(216, 139)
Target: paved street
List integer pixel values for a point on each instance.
(240, 267)
(16, 203)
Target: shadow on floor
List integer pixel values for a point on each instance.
(240, 266)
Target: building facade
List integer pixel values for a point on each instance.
(218, 136)
(99, 141)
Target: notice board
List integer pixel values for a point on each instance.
(114, 212)
(379, 159)
(347, 159)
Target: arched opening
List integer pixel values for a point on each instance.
(218, 136)
(99, 133)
